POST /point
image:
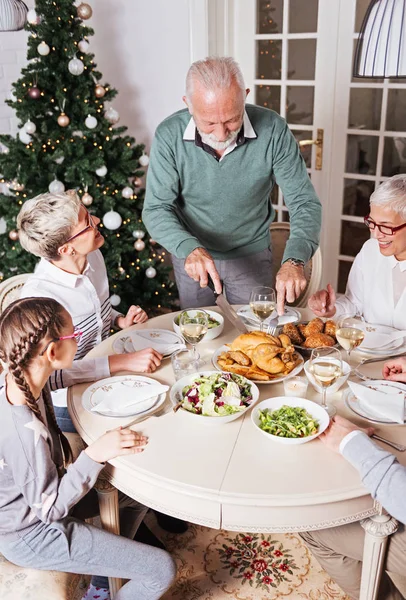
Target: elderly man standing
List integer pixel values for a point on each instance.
(212, 169)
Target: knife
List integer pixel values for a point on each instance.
(227, 309)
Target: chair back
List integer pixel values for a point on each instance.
(279, 236)
(10, 289)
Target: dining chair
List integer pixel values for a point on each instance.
(10, 289)
(313, 269)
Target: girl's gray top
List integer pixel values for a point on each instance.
(34, 485)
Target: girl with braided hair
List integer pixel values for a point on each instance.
(42, 503)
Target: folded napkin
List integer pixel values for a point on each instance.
(161, 346)
(389, 404)
(121, 398)
(375, 339)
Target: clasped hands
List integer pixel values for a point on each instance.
(290, 280)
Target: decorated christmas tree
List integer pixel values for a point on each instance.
(69, 139)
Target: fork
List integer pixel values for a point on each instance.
(398, 447)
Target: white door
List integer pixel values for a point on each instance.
(296, 57)
(286, 49)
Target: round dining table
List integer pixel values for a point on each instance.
(231, 476)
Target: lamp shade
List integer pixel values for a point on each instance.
(13, 14)
(381, 47)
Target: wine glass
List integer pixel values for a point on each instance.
(350, 332)
(262, 303)
(326, 367)
(194, 325)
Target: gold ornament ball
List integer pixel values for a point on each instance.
(137, 182)
(63, 120)
(87, 199)
(13, 235)
(99, 91)
(84, 11)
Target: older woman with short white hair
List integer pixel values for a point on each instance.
(59, 229)
(376, 287)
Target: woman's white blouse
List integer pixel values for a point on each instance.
(376, 288)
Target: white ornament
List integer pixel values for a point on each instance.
(112, 115)
(25, 138)
(112, 220)
(101, 171)
(59, 160)
(150, 272)
(43, 49)
(87, 199)
(139, 245)
(56, 187)
(138, 233)
(83, 46)
(127, 192)
(30, 127)
(115, 300)
(91, 122)
(32, 17)
(76, 66)
(144, 160)
(4, 149)
(3, 226)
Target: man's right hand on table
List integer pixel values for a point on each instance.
(143, 361)
(199, 265)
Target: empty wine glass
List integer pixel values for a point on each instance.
(350, 332)
(194, 325)
(326, 367)
(262, 303)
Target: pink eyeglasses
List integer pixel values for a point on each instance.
(76, 335)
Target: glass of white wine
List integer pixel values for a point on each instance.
(262, 303)
(194, 325)
(326, 368)
(350, 332)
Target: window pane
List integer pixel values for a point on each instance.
(356, 197)
(306, 151)
(269, 59)
(303, 16)
(396, 112)
(343, 272)
(275, 194)
(285, 216)
(268, 96)
(301, 59)
(269, 16)
(365, 108)
(362, 79)
(353, 237)
(394, 156)
(362, 151)
(362, 6)
(300, 101)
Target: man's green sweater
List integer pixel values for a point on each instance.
(193, 200)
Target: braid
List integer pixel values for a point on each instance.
(45, 318)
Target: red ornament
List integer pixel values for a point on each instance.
(34, 93)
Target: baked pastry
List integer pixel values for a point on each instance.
(330, 328)
(317, 340)
(293, 333)
(313, 326)
(302, 330)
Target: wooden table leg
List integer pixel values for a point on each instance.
(377, 530)
(110, 519)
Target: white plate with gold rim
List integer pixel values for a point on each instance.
(380, 385)
(121, 387)
(396, 346)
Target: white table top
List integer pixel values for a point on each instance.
(231, 476)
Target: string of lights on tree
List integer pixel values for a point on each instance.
(68, 138)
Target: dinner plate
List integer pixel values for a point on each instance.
(354, 404)
(278, 379)
(163, 340)
(95, 393)
(390, 349)
(250, 320)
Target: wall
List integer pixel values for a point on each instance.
(142, 48)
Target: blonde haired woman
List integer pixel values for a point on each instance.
(59, 229)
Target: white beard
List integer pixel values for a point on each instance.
(212, 141)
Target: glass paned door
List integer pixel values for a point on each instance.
(284, 49)
(369, 146)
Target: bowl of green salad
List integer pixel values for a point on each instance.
(290, 420)
(213, 398)
(216, 325)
